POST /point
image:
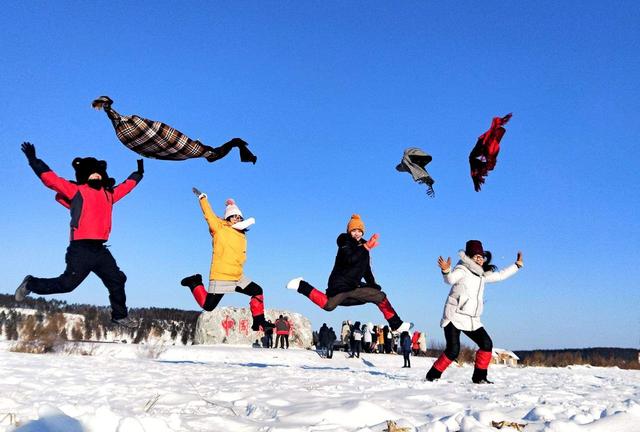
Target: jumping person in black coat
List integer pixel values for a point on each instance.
(345, 287)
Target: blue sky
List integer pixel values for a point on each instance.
(328, 94)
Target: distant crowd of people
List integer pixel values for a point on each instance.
(357, 338)
(282, 329)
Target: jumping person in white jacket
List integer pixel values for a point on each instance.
(464, 306)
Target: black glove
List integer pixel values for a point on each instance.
(29, 150)
(196, 191)
(140, 166)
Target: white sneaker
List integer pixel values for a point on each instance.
(293, 284)
(405, 326)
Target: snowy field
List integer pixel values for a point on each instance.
(231, 388)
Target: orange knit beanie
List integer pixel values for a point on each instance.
(355, 223)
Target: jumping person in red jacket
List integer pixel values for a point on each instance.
(90, 200)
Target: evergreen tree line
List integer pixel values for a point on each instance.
(624, 358)
(48, 319)
(48, 323)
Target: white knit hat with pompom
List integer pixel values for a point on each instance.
(232, 209)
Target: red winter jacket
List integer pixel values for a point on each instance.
(282, 327)
(90, 208)
(415, 340)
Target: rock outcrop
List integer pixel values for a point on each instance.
(232, 325)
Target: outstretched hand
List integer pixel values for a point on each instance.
(445, 266)
(373, 242)
(519, 261)
(29, 150)
(140, 166)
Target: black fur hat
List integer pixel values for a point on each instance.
(84, 167)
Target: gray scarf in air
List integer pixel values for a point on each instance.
(414, 161)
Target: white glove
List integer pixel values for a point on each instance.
(243, 225)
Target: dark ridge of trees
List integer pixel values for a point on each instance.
(179, 324)
(624, 358)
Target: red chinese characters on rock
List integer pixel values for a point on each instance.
(292, 328)
(244, 326)
(228, 324)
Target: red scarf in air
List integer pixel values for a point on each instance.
(484, 155)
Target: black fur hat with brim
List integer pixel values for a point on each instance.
(84, 167)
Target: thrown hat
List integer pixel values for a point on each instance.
(355, 223)
(232, 209)
(473, 247)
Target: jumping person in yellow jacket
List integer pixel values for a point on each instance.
(229, 254)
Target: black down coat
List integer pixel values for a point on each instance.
(352, 265)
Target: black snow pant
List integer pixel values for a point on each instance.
(351, 296)
(82, 258)
(330, 350)
(452, 336)
(252, 290)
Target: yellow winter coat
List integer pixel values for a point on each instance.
(229, 246)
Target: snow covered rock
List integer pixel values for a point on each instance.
(232, 325)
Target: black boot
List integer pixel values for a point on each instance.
(433, 374)
(192, 281)
(480, 376)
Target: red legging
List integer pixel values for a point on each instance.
(355, 297)
(451, 352)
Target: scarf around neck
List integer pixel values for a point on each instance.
(470, 264)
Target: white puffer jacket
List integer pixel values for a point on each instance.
(466, 299)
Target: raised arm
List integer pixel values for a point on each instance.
(369, 278)
(450, 277)
(131, 182)
(214, 222)
(63, 187)
(506, 272)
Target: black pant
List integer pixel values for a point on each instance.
(407, 361)
(82, 258)
(330, 350)
(284, 340)
(324, 350)
(253, 289)
(387, 346)
(452, 336)
(355, 348)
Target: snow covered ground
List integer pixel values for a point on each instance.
(231, 388)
